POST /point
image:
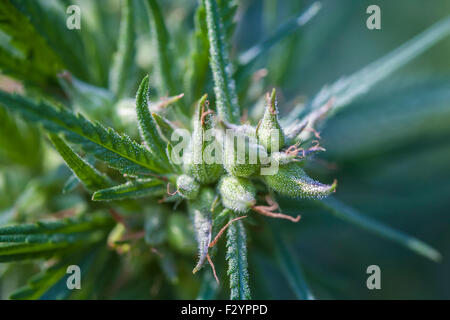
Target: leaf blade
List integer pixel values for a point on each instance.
(347, 89)
(237, 261)
(119, 151)
(351, 215)
(130, 190)
(90, 177)
(147, 125)
(224, 85)
(123, 61)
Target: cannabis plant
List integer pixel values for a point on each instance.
(143, 212)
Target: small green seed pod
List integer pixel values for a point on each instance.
(291, 180)
(269, 126)
(187, 186)
(202, 140)
(282, 158)
(238, 194)
(241, 153)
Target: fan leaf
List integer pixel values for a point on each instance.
(118, 151)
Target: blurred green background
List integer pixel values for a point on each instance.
(389, 150)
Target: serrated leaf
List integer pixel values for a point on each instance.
(44, 239)
(147, 126)
(351, 215)
(91, 178)
(237, 261)
(224, 86)
(133, 189)
(118, 151)
(65, 226)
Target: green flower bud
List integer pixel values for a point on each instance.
(203, 166)
(291, 180)
(269, 127)
(241, 153)
(282, 158)
(238, 194)
(187, 186)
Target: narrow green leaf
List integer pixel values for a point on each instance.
(20, 251)
(166, 65)
(70, 184)
(197, 65)
(65, 226)
(227, 11)
(237, 261)
(351, 215)
(147, 126)
(118, 151)
(53, 238)
(123, 66)
(347, 89)
(224, 86)
(44, 239)
(290, 266)
(132, 189)
(91, 178)
(166, 127)
(249, 57)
